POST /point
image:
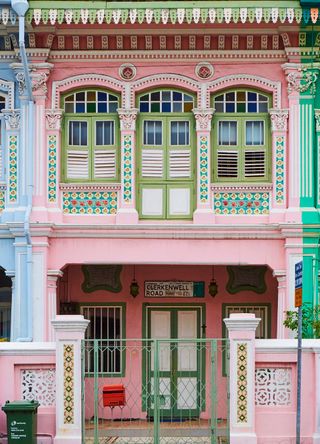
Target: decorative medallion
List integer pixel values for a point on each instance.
(127, 71)
(68, 383)
(101, 277)
(242, 383)
(204, 70)
(246, 278)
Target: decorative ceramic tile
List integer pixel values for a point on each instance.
(2, 200)
(204, 182)
(241, 202)
(13, 168)
(52, 168)
(68, 381)
(280, 169)
(273, 386)
(242, 383)
(39, 385)
(127, 168)
(90, 202)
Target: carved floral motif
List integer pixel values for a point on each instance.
(128, 118)
(53, 119)
(317, 117)
(203, 118)
(279, 119)
(302, 80)
(12, 119)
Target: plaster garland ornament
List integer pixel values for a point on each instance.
(53, 118)
(317, 117)
(203, 118)
(12, 118)
(302, 80)
(279, 119)
(128, 117)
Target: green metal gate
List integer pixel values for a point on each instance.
(176, 391)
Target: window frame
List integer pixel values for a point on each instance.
(91, 147)
(241, 118)
(166, 183)
(122, 340)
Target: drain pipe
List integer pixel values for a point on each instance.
(20, 7)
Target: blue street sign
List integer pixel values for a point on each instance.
(298, 275)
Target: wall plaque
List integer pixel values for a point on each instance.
(101, 277)
(243, 278)
(173, 289)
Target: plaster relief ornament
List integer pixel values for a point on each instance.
(21, 82)
(12, 119)
(204, 70)
(302, 80)
(317, 117)
(279, 119)
(39, 82)
(128, 118)
(203, 118)
(127, 71)
(53, 118)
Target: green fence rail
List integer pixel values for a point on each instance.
(159, 391)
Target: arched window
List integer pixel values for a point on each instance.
(91, 152)
(166, 154)
(241, 137)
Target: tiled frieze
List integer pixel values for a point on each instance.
(68, 383)
(52, 168)
(280, 169)
(13, 168)
(242, 383)
(241, 202)
(90, 202)
(273, 386)
(39, 385)
(204, 180)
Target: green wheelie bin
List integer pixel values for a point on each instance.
(21, 421)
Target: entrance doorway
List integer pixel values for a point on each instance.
(180, 363)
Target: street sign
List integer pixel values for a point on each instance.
(298, 285)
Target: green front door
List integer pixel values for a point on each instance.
(166, 166)
(179, 361)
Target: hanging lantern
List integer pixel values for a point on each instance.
(213, 286)
(134, 286)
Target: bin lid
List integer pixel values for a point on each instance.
(115, 387)
(19, 406)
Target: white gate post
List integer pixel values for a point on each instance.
(69, 331)
(241, 328)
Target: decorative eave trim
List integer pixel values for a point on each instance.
(236, 188)
(89, 187)
(168, 13)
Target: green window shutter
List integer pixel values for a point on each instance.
(77, 136)
(104, 151)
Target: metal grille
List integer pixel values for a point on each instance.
(175, 393)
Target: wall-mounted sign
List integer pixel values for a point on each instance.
(173, 289)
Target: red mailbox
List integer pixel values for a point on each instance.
(114, 395)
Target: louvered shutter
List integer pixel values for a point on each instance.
(77, 164)
(104, 164)
(255, 164)
(227, 163)
(179, 164)
(152, 163)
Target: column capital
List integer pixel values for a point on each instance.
(12, 118)
(70, 323)
(128, 117)
(242, 322)
(279, 119)
(317, 117)
(301, 78)
(39, 73)
(203, 118)
(53, 119)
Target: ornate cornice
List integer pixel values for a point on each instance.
(279, 119)
(53, 119)
(317, 117)
(203, 118)
(128, 118)
(12, 118)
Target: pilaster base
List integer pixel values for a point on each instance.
(203, 216)
(243, 438)
(293, 214)
(316, 438)
(127, 216)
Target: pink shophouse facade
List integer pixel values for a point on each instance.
(167, 162)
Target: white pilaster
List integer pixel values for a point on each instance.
(69, 332)
(52, 279)
(242, 328)
(282, 287)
